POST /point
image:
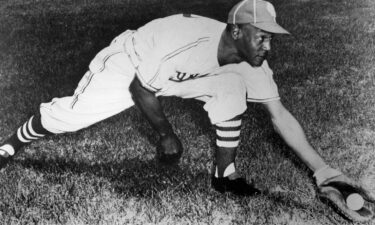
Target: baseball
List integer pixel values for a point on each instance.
(355, 201)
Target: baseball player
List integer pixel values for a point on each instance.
(188, 56)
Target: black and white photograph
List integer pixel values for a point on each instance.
(214, 112)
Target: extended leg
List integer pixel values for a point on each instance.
(100, 94)
(30, 131)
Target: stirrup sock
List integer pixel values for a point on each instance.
(228, 171)
(30, 131)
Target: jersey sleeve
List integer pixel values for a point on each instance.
(260, 85)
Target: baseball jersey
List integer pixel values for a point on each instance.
(178, 48)
(172, 56)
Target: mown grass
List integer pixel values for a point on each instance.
(106, 174)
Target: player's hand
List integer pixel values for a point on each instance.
(335, 190)
(169, 149)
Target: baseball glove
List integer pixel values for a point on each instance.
(335, 190)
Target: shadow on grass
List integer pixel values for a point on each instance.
(260, 133)
(132, 177)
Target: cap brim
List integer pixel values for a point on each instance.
(271, 27)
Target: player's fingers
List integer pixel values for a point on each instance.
(169, 149)
(171, 144)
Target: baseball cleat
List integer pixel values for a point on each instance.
(6, 154)
(234, 184)
(4, 161)
(5, 158)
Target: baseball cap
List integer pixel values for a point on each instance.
(259, 13)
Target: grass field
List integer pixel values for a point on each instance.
(106, 174)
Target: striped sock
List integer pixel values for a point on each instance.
(30, 131)
(228, 139)
(228, 133)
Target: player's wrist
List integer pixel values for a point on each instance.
(324, 174)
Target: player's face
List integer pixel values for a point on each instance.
(253, 44)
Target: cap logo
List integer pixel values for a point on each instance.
(271, 10)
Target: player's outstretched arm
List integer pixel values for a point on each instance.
(169, 148)
(291, 131)
(333, 186)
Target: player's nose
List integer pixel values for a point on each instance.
(266, 46)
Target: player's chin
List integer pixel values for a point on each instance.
(257, 61)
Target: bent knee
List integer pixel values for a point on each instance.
(229, 99)
(232, 84)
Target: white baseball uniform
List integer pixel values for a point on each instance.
(171, 56)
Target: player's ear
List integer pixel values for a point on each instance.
(236, 32)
